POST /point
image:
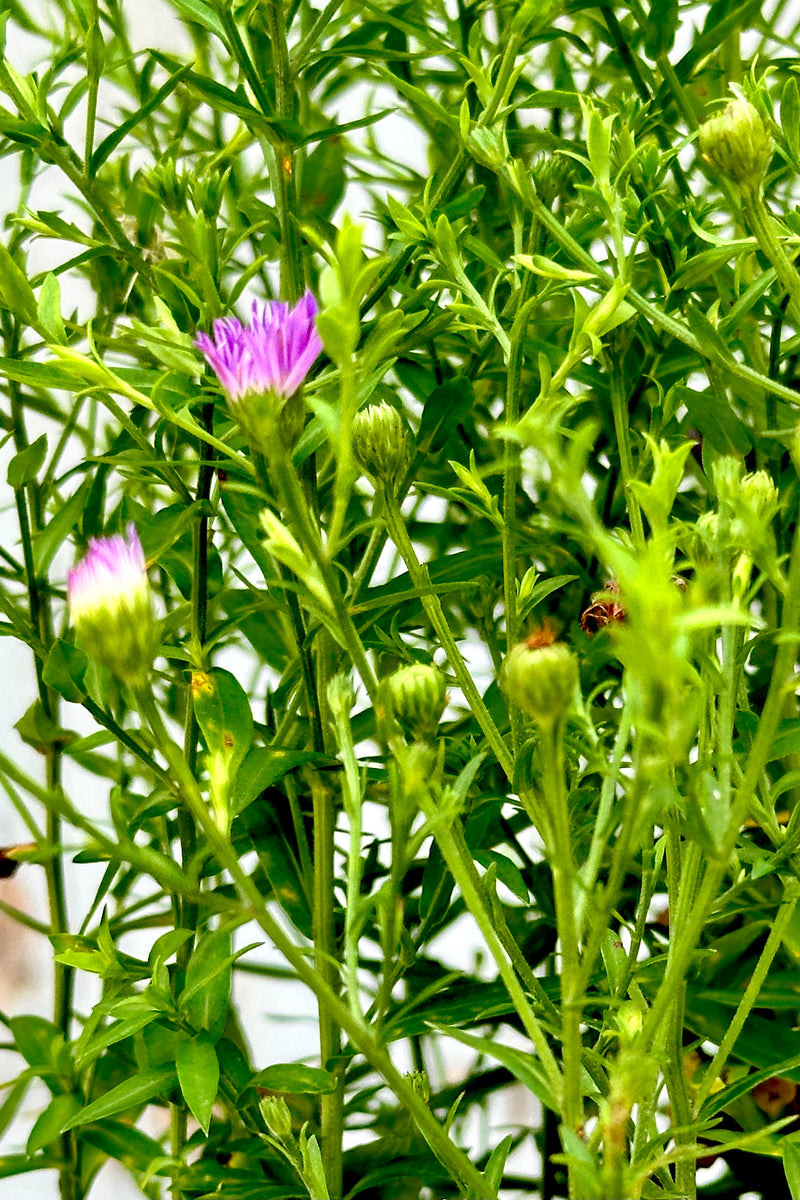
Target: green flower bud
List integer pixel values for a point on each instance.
(759, 496)
(417, 694)
(421, 1084)
(629, 1022)
(341, 695)
(539, 676)
(738, 144)
(727, 474)
(553, 178)
(380, 443)
(277, 1117)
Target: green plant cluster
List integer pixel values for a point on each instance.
(554, 425)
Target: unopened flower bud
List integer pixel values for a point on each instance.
(418, 695)
(539, 676)
(629, 1022)
(110, 605)
(727, 474)
(759, 496)
(553, 178)
(341, 695)
(738, 143)
(277, 1117)
(380, 443)
(421, 1084)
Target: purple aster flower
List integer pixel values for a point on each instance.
(110, 605)
(272, 355)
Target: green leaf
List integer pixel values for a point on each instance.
(39, 1043)
(208, 983)
(123, 1142)
(131, 1094)
(271, 832)
(264, 766)
(719, 1101)
(295, 1077)
(790, 124)
(552, 270)
(64, 670)
(49, 1124)
(116, 1032)
(24, 466)
(198, 1075)
(59, 527)
(203, 14)
(444, 409)
(660, 27)
(790, 1149)
(508, 873)
(49, 309)
(13, 1100)
(223, 713)
(16, 294)
(523, 1066)
(110, 143)
(496, 1165)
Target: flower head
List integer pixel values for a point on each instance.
(380, 443)
(263, 364)
(738, 143)
(539, 676)
(418, 695)
(111, 607)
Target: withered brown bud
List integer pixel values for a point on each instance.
(605, 609)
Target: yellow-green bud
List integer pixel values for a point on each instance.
(539, 676)
(758, 494)
(380, 443)
(553, 177)
(738, 143)
(630, 1019)
(421, 1084)
(418, 694)
(341, 695)
(277, 1117)
(727, 474)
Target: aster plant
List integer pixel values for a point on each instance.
(400, 412)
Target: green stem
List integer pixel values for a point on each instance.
(352, 799)
(511, 472)
(326, 954)
(294, 505)
(682, 875)
(469, 1180)
(187, 909)
(619, 406)
(433, 609)
(450, 840)
(780, 924)
(69, 1181)
(284, 189)
(696, 894)
(602, 826)
(562, 865)
(761, 226)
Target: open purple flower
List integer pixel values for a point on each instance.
(110, 605)
(274, 353)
